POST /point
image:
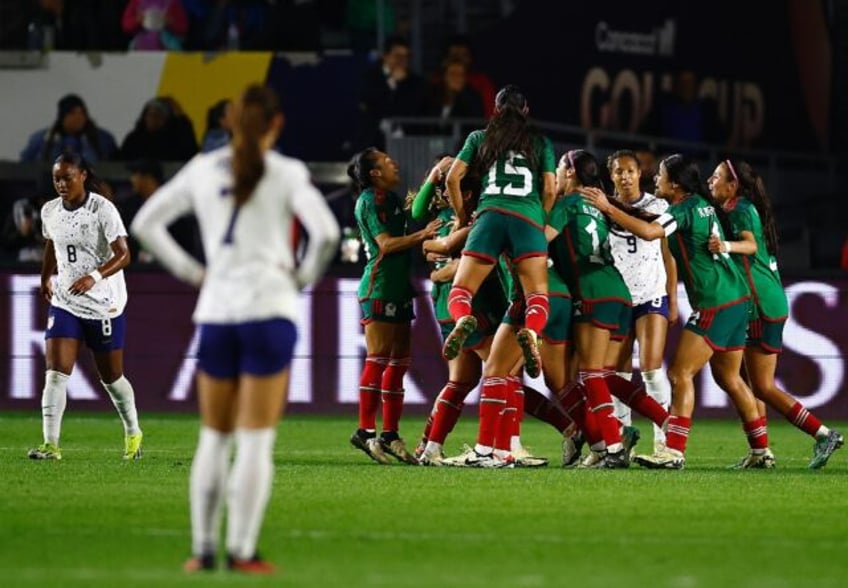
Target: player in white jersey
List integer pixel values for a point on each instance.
(87, 243)
(245, 197)
(651, 276)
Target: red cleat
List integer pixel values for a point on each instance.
(255, 565)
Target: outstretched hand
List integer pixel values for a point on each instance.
(595, 197)
(715, 244)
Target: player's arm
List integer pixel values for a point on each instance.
(48, 268)
(119, 260)
(548, 191)
(670, 281)
(446, 272)
(150, 227)
(320, 225)
(448, 244)
(649, 231)
(457, 171)
(425, 193)
(745, 245)
(389, 244)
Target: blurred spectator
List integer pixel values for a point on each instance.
(159, 134)
(21, 238)
(73, 130)
(217, 126)
(216, 25)
(390, 89)
(155, 24)
(146, 175)
(459, 48)
(452, 97)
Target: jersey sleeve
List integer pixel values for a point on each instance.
(371, 218)
(676, 217)
(150, 226)
(45, 222)
(311, 209)
(744, 220)
(469, 148)
(111, 223)
(558, 216)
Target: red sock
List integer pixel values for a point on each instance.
(677, 433)
(492, 404)
(459, 302)
(369, 391)
(517, 400)
(600, 404)
(539, 406)
(536, 311)
(803, 419)
(392, 392)
(757, 433)
(633, 395)
(447, 410)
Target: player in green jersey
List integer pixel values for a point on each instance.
(579, 236)
(517, 166)
(385, 295)
(741, 192)
(718, 293)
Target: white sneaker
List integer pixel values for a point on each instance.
(572, 449)
(670, 459)
(431, 458)
(525, 459)
(397, 449)
(471, 459)
(591, 460)
(755, 461)
(375, 450)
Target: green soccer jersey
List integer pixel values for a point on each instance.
(581, 253)
(440, 291)
(760, 269)
(386, 277)
(711, 279)
(511, 185)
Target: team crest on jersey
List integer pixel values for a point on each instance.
(694, 317)
(578, 308)
(391, 309)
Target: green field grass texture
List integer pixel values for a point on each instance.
(338, 519)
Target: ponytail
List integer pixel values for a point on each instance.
(256, 111)
(359, 169)
(751, 186)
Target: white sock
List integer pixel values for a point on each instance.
(54, 398)
(483, 449)
(432, 448)
(515, 443)
(659, 388)
(207, 486)
(123, 397)
(620, 410)
(249, 489)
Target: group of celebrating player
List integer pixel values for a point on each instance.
(578, 276)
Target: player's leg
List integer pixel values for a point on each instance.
(217, 387)
(378, 342)
(532, 272)
(623, 368)
(106, 340)
(392, 392)
(63, 338)
(651, 332)
(473, 269)
(266, 354)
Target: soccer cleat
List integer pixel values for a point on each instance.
(457, 337)
(255, 566)
(45, 451)
(397, 449)
(755, 461)
(592, 459)
(669, 459)
(629, 438)
(419, 449)
(824, 448)
(525, 459)
(529, 343)
(132, 446)
(431, 458)
(572, 448)
(369, 445)
(471, 459)
(620, 460)
(200, 563)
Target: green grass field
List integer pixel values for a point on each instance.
(337, 519)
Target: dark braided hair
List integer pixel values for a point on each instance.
(360, 167)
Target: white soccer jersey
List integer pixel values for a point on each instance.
(81, 239)
(640, 262)
(250, 272)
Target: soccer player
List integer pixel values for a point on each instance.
(245, 197)
(741, 192)
(86, 245)
(715, 331)
(385, 297)
(517, 165)
(650, 273)
(602, 310)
